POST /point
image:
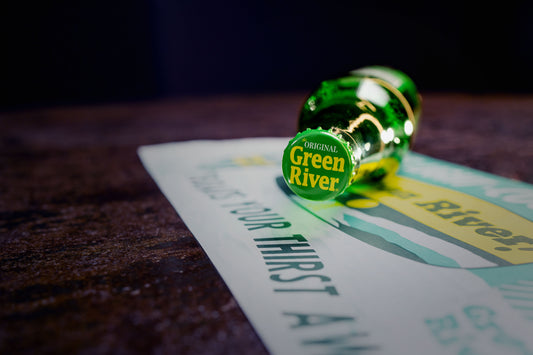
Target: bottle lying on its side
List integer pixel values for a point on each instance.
(352, 129)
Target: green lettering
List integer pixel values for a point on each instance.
(438, 205)
(311, 320)
(515, 240)
(301, 265)
(493, 232)
(277, 277)
(328, 289)
(275, 225)
(472, 221)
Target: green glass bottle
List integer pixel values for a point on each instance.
(353, 129)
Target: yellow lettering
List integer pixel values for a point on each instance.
(316, 160)
(295, 173)
(333, 182)
(299, 156)
(298, 159)
(307, 155)
(326, 162)
(324, 180)
(306, 171)
(313, 181)
(338, 164)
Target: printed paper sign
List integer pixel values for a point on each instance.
(437, 260)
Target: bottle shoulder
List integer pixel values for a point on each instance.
(335, 103)
(370, 90)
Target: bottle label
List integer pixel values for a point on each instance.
(317, 165)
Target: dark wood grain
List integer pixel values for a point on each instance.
(95, 260)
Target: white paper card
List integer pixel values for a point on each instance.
(375, 272)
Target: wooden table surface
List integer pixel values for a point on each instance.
(94, 259)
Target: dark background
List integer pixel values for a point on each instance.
(71, 52)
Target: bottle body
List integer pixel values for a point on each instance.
(373, 113)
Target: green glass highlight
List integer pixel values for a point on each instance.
(353, 129)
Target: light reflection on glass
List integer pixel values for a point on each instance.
(371, 91)
(408, 127)
(358, 153)
(387, 135)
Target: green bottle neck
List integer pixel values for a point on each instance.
(371, 116)
(398, 81)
